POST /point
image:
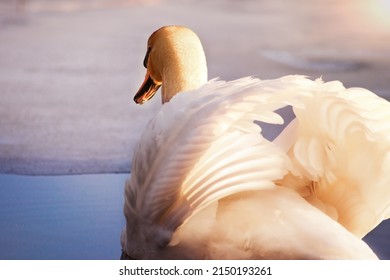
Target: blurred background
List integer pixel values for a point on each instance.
(69, 70)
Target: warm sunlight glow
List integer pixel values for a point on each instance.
(379, 11)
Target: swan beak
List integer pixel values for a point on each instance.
(147, 90)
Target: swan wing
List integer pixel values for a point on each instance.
(341, 154)
(203, 146)
(279, 224)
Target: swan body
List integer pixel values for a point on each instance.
(205, 184)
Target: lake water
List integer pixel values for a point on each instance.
(61, 217)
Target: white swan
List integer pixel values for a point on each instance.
(206, 185)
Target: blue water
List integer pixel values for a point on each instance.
(79, 217)
(61, 217)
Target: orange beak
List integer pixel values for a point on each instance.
(147, 90)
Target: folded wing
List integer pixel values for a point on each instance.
(341, 155)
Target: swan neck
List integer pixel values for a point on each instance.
(184, 67)
(179, 79)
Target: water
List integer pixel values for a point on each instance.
(61, 217)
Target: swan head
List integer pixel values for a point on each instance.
(174, 60)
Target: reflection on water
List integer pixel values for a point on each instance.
(78, 217)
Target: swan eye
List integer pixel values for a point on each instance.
(146, 58)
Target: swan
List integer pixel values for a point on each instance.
(205, 183)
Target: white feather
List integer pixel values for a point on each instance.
(342, 147)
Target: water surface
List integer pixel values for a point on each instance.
(61, 217)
